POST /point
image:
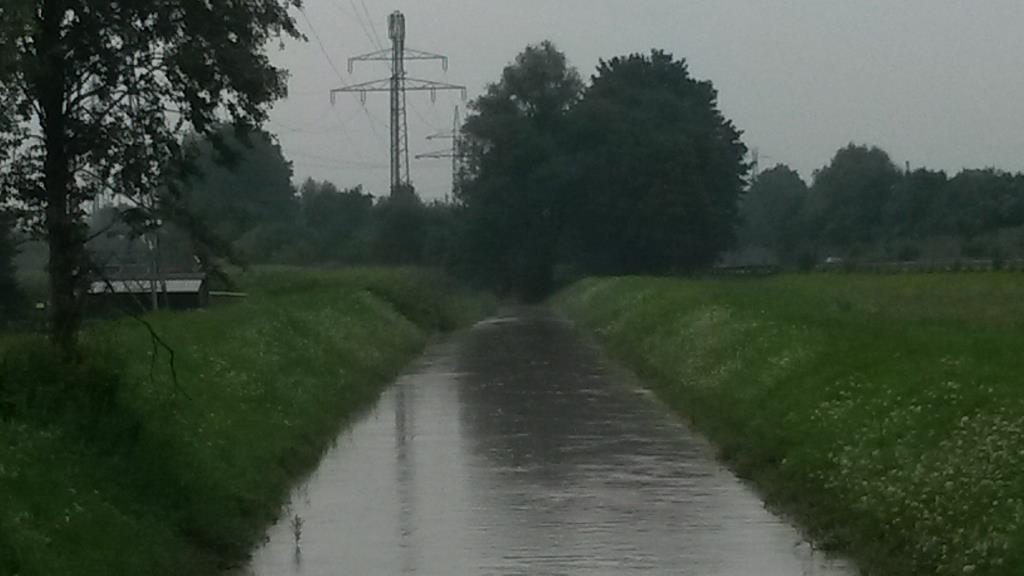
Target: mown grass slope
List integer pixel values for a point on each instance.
(110, 467)
(885, 412)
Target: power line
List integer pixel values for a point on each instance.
(373, 27)
(317, 127)
(337, 72)
(320, 42)
(295, 130)
(373, 119)
(423, 118)
(354, 16)
(341, 8)
(374, 40)
(336, 161)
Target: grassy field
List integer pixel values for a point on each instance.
(886, 413)
(111, 468)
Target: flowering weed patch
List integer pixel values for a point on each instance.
(182, 478)
(885, 413)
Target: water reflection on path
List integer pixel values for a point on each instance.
(515, 449)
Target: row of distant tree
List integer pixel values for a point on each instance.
(862, 206)
(635, 171)
(239, 205)
(243, 208)
(247, 202)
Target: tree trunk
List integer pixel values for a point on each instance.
(65, 315)
(63, 234)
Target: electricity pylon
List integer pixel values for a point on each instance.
(455, 153)
(397, 86)
(755, 163)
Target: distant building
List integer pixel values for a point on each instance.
(143, 292)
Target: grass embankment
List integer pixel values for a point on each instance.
(885, 413)
(106, 470)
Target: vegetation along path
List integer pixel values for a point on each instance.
(107, 468)
(884, 411)
(515, 448)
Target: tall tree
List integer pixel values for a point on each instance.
(399, 231)
(242, 182)
(661, 168)
(105, 90)
(848, 197)
(514, 196)
(334, 218)
(914, 199)
(772, 210)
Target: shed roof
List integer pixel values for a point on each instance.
(146, 285)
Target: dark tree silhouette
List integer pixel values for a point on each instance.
(848, 197)
(399, 228)
(772, 211)
(243, 182)
(334, 219)
(514, 196)
(661, 169)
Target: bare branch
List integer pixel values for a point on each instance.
(156, 341)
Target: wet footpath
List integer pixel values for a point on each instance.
(515, 448)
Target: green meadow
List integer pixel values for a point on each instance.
(884, 413)
(114, 466)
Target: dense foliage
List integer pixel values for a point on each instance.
(242, 185)
(336, 221)
(515, 196)
(773, 210)
(862, 207)
(660, 169)
(244, 198)
(637, 172)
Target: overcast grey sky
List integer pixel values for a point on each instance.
(938, 83)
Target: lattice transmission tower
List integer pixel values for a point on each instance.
(456, 153)
(397, 86)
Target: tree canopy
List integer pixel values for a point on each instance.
(243, 182)
(862, 207)
(514, 195)
(850, 194)
(399, 228)
(772, 210)
(335, 219)
(661, 169)
(637, 172)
